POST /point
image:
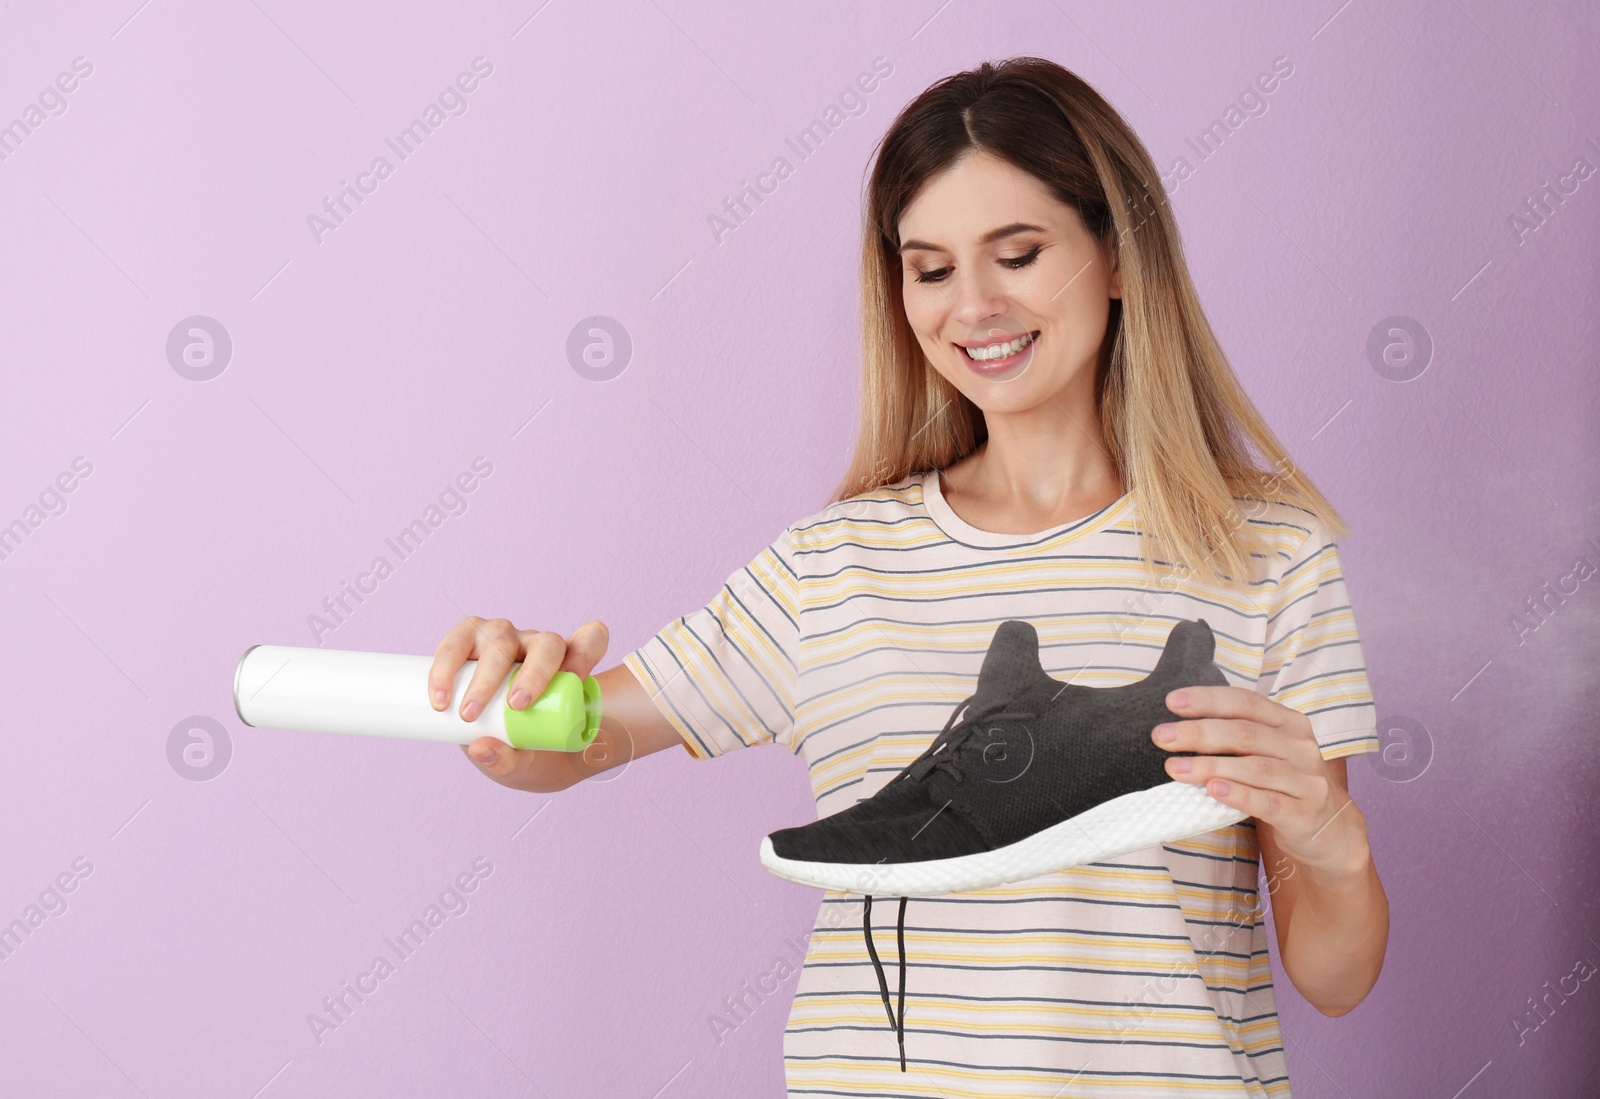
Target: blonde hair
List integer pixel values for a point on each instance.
(1176, 421)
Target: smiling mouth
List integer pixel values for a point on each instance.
(994, 352)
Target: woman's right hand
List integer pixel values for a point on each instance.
(496, 645)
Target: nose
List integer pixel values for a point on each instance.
(976, 299)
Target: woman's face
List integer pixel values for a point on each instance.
(989, 255)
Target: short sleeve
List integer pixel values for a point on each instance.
(1312, 661)
(725, 675)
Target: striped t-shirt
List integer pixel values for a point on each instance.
(850, 639)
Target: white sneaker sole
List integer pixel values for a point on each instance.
(1144, 818)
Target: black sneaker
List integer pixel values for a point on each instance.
(1036, 776)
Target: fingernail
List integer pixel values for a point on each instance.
(485, 756)
(1166, 734)
(1177, 699)
(519, 698)
(1222, 788)
(471, 710)
(1182, 763)
(439, 699)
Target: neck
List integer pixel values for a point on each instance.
(1043, 459)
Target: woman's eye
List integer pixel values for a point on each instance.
(1016, 264)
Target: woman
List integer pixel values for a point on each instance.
(1049, 432)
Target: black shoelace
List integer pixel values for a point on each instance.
(897, 1022)
(951, 739)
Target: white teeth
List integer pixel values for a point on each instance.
(999, 350)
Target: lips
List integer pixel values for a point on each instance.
(1023, 342)
(992, 367)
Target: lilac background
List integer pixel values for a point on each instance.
(372, 368)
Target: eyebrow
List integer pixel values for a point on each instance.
(988, 238)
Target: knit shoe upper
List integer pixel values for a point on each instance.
(1027, 752)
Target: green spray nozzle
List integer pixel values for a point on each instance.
(564, 718)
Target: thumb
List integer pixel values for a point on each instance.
(585, 648)
(488, 753)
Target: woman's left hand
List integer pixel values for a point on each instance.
(1261, 757)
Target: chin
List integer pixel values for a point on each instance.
(1018, 394)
